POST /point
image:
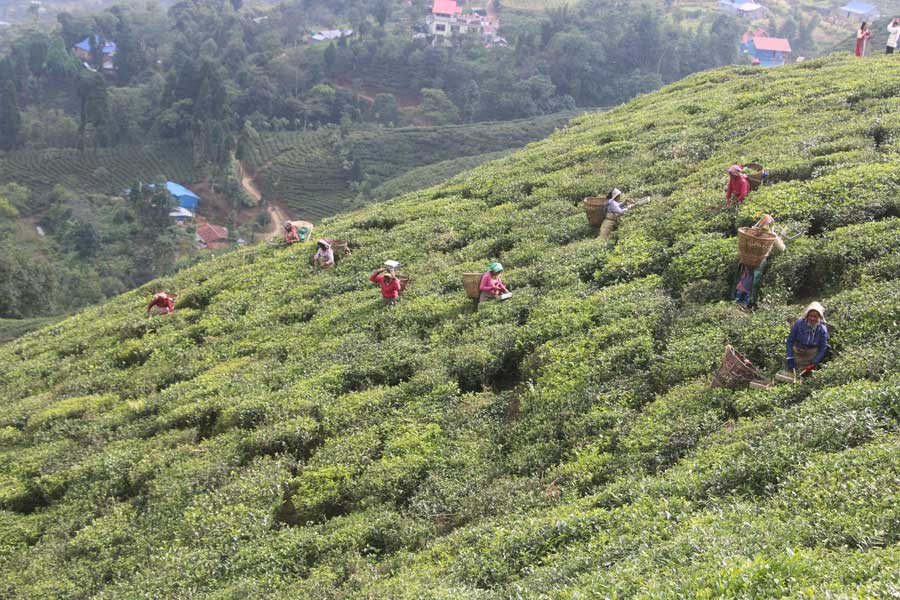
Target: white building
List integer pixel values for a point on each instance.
(447, 19)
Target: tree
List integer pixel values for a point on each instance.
(94, 107)
(436, 108)
(129, 59)
(471, 100)
(381, 11)
(27, 284)
(385, 109)
(59, 63)
(10, 118)
(329, 58)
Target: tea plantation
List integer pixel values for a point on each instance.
(283, 435)
(310, 171)
(105, 170)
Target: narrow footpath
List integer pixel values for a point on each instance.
(277, 214)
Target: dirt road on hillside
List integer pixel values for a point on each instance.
(277, 214)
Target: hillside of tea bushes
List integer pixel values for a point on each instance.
(104, 170)
(284, 436)
(311, 172)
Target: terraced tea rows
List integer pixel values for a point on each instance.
(308, 172)
(106, 170)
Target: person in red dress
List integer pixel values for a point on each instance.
(862, 34)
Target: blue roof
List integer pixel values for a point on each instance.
(179, 191)
(857, 7)
(85, 44)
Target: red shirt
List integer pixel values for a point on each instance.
(388, 290)
(737, 185)
(162, 301)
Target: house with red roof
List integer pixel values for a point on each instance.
(211, 237)
(769, 51)
(447, 19)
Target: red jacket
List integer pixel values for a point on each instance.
(737, 185)
(388, 290)
(163, 301)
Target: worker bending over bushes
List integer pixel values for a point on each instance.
(324, 256)
(162, 303)
(808, 340)
(614, 208)
(390, 285)
(492, 283)
(738, 186)
(290, 234)
(746, 286)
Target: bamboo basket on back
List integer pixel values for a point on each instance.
(595, 207)
(754, 245)
(735, 372)
(472, 283)
(755, 177)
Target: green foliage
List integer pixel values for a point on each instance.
(313, 171)
(283, 434)
(41, 170)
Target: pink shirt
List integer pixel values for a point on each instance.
(491, 285)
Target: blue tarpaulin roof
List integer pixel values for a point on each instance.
(179, 190)
(186, 198)
(85, 44)
(859, 8)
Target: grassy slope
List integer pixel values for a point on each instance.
(305, 169)
(10, 329)
(284, 436)
(429, 175)
(108, 170)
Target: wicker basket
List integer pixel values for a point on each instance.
(595, 207)
(403, 280)
(340, 248)
(472, 284)
(754, 245)
(734, 372)
(756, 178)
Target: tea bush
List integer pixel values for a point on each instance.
(285, 435)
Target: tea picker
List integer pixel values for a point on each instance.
(324, 256)
(291, 236)
(162, 303)
(754, 246)
(806, 343)
(392, 283)
(491, 286)
(742, 179)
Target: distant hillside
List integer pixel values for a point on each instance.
(105, 170)
(283, 435)
(312, 171)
